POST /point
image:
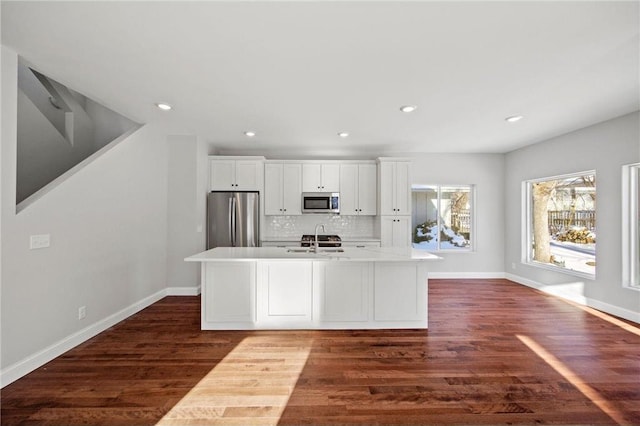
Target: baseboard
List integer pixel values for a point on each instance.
(32, 362)
(466, 275)
(581, 300)
(183, 291)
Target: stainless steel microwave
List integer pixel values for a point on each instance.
(321, 202)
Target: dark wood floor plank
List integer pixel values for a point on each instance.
(495, 353)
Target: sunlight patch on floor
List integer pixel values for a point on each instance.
(251, 385)
(574, 379)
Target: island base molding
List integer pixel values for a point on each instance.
(281, 294)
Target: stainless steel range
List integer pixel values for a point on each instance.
(323, 240)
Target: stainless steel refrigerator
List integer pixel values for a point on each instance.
(233, 219)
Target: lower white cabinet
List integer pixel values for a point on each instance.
(395, 231)
(310, 294)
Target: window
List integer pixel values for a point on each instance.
(561, 223)
(631, 225)
(442, 217)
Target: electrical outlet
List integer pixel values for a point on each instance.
(82, 312)
(513, 265)
(39, 241)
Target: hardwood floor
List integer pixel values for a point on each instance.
(495, 353)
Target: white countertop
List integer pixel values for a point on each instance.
(373, 254)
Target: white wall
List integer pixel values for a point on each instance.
(108, 227)
(186, 228)
(604, 147)
(486, 172)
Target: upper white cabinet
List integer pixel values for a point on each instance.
(235, 174)
(320, 177)
(282, 188)
(358, 189)
(395, 191)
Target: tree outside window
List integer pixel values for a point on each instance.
(442, 217)
(562, 222)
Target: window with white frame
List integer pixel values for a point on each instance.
(442, 217)
(631, 225)
(560, 231)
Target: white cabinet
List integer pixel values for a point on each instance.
(343, 291)
(229, 292)
(358, 189)
(284, 292)
(395, 187)
(395, 231)
(235, 174)
(282, 189)
(321, 177)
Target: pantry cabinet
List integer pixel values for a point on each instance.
(321, 177)
(230, 174)
(358, 189)
(395, 187)
(282, 189)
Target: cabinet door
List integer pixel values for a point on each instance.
(311, 178)
(402, 188)
(285, 292)
(367, 189)
(273, 196)
(330, 177)
(349, 189)
(344, 291)
(247, 177)
(222, 175)
(292, 189)
(402, 231)
(386, 183)
(386, 231)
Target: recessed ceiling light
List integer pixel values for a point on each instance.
(343, 134)
(513, 118)
(163, 106)
(249, 133)
(408, 108)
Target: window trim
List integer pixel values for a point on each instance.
(630, 227)
(527, 229)
(472, 207)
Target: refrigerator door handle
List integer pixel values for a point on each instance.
(233, 212)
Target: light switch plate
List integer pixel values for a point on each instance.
(39, 241)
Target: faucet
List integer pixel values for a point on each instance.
(315, 242)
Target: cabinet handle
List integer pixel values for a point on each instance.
(285, 210)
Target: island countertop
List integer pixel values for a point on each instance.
(368, 254)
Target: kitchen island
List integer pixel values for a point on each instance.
(251, 288)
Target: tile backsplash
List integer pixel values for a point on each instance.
(295, 226)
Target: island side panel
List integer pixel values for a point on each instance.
(400, 295)
(228, 295)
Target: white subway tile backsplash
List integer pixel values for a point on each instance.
(295, 226)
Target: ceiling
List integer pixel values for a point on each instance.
(297, 73)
